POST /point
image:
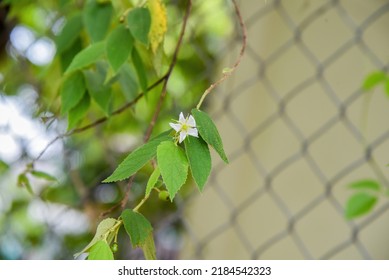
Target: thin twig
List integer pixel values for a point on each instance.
(237, 62)
(171, 67)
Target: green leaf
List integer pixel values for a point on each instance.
(199, 158)
(139, 22)
(137, 159)
(140, 70)
(152, 180)
(102, 229)
(77, 113)
(97, 18)
(100, 251)
(66, 57)
(69, 33)
(173, 165)
(23, 182)
(100, 92)
(119, 46)
(72, 91)
(365, 185)
(43, 175)
(137, 227)
(373, 80)
(148, 248)
(86, 57)
(128, 83)
(359, 204)
(208, 132)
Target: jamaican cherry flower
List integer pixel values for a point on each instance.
(185, 126)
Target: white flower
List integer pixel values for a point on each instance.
(185, 126)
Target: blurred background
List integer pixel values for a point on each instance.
(295, 123)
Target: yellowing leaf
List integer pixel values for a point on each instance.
(158, 23)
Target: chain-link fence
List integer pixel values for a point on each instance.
(298, 129)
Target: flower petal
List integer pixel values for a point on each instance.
(176, 126)
(193, 132)
(182, 136)
(182, 118)
(191, 121)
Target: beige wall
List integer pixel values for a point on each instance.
(239, 216)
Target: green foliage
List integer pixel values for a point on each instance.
(209, 132)
(140, 70)
(43, 175)
(137, 227)
(139, 22)
(86, 57)
(365, 185)
(148, 248)
(77, 113)
(152, 181)
(97, 18)
(69, 33)
(137, 159)
(119, 46)
(173, 164)
(360, 204)
(100, 251)
(373, 80)
(73, 90)
(199, 159)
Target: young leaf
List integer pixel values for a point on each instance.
(69, 33)
(140, 70)
(137, 159)
(152, 180)
(139, 22)
(86, 57)
(137, 227)
(374, 79)
(23, 182)
(158, 23)
(208, 132)
(119, 46)
(173, 165)
(148, 248)
(100, 92)
(97, 18)
(102, 229)
(43, 175)
(100, 251)
(359, 204)
(72, 91)
(199, 158)
(365, 185)
(77, 113)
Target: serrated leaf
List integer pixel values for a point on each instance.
(100, 92)
(72, 91)
(137, 159)
(128, 83)
(137, 227)
(209, 132)
(43, 175)
(199, 159)
(374, 79)
(158, 23)
(102, 229)
(148, 248)
(77, 113)
(97, 18)
(86, 57)
(100, 251)
(140, 70)
(359, 204)
(173, 165)
(119, 46)
(69, 33)
(365, 185)
(139, 22)
(152, 180)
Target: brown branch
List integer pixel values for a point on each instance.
(167, 77)
(237, 62)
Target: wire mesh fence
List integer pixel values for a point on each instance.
(297, 128)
